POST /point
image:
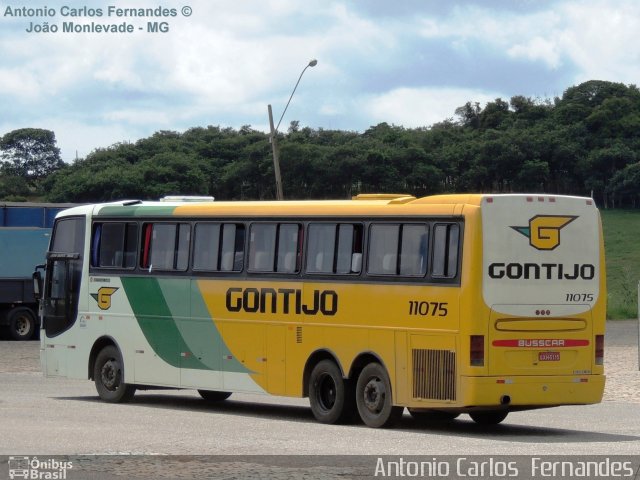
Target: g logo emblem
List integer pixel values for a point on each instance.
(103, 297)
(543, 231)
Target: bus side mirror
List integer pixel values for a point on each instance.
(37, 282)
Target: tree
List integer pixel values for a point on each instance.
(30, 153)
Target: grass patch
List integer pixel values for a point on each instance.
(622, 249)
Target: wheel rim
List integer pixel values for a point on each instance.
(110, 374)
(375, 394)
(22, 326)
(326, 392)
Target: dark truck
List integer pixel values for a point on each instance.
(25, 230)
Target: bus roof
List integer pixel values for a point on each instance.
(368, 204)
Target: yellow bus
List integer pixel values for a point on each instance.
(478, 304)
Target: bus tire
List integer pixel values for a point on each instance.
(108, 375)
(433, 417)
(489, 418)
(374, 398)
(214, 396)
(330, 396)
(22, 323)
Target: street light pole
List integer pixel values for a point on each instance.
(276, 160)
(274, 134)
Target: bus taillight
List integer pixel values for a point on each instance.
(477, 350)
(599, 349)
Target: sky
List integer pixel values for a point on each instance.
(221, 62)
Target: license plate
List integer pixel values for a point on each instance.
(548, 356)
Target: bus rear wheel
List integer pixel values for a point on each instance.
(214, 396)
(488, 418)
(432, 416)
(374, 399)
(330, 396)
(108, 375)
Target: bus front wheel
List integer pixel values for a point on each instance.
(214, 396)
(374, 399)
(108, 375)
(330, 396)
(488, 418)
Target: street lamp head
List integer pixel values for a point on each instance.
(313, 63)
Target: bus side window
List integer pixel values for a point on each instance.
(274, 247)
(165, 246)
(219, 247)
(383, 249)
(398, 249)
(413, 256)
(446, 239)
(334, 248)
(114, 245)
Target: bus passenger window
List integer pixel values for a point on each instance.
(206, 246)
(334, 248)
(219, 247)
(383, 249)
(262, 247)
(321, 244)
(446, 239)
(114, 245)
(274, 247)
(166, 246)
(287, 248)
(413, 256)
(398, 249)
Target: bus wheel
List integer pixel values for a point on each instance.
(432, 416)
(488, 418)
(373, 397)
(330, 396)
(213, 396)
(22, 323)
(108, 377)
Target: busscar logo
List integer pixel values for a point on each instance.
(543, 231)
(103, 297)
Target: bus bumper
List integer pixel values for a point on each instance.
(531, 391)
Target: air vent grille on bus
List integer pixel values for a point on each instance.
(434, 374)
(298, 334)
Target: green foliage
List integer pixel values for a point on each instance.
(29, 153)
(583, 143)
(13, 188)
(621, 235)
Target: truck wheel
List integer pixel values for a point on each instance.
(22, 323)
(108, 375)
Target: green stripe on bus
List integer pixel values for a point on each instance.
(156, 321)
(135, 211)
(175, 321)
(202, 335)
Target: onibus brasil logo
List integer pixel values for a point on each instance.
(543, 231)
(32, 468)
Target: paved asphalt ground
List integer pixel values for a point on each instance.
(45, 417)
